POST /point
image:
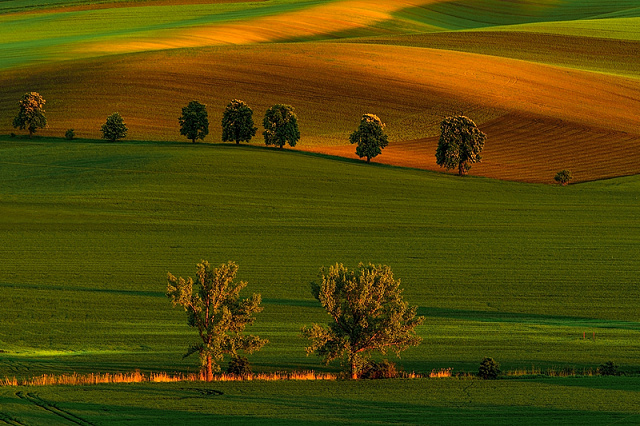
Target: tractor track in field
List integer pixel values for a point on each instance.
(52, 408)
(10, 420)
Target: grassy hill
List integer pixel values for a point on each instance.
(514, 271)
(544, 80)
(532, 275)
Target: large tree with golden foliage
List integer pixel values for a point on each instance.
(31, 114)
(367, 312)
(215, 309)
(460, 144)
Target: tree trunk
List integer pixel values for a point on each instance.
(354, 368)
(237, 142)
(193, 140)
(368, 160)
(461, 168)
(209, 369)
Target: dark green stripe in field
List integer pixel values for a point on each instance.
(437, 402)
(470, 14)
(88, 231)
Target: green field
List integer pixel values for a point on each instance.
(605, 400)
(539, 277)
(514, 271)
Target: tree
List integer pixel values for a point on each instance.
(563, 177)
(280, 126)
(114, 128)
(369, 136)
(460, 144)
(237, 122)
(31, 115)
(368, 314)
(489, 369)
(609, 368)
(216, 311)
(194, 121)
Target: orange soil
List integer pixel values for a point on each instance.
(322, 19)
(538, 119)
(525, 148)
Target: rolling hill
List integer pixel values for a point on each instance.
(553, 84)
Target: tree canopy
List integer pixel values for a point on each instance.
(460, 144)
(367, 313)
(369, 136)
(194, 121)
(214, 308)
(31, 114)
(563, 177)
(114, 128)
(237, 122)
(280, 126)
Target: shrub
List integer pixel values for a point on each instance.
(381, 370)
(239, 366)
(489, 369)
(563, 177)
(609, 368)
(70, 134)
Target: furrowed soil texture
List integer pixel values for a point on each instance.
(553, 84)
(515, 271)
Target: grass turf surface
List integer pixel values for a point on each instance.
(531, 402)
(514, 271)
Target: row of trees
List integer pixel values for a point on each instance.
(280, 123)
(460, 144)
(367, 311)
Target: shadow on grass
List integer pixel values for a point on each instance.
(83, 289)
(524, 318)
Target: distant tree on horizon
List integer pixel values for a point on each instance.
(370, 137)
(215, 309)
(367, 312)
(194, 121)
(460, 144)
(114, 128)
(280, 126)
(31, 114)
(237, 122)
(563, 177)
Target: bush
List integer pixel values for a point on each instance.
(489, 369)
(563, 177)
(381, 370)
(70, 134)
(609, 368)
(239, 366)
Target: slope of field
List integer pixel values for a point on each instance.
(514, 271)
(570, 51)
(331, 85)
(79, 55)
(611, 400)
